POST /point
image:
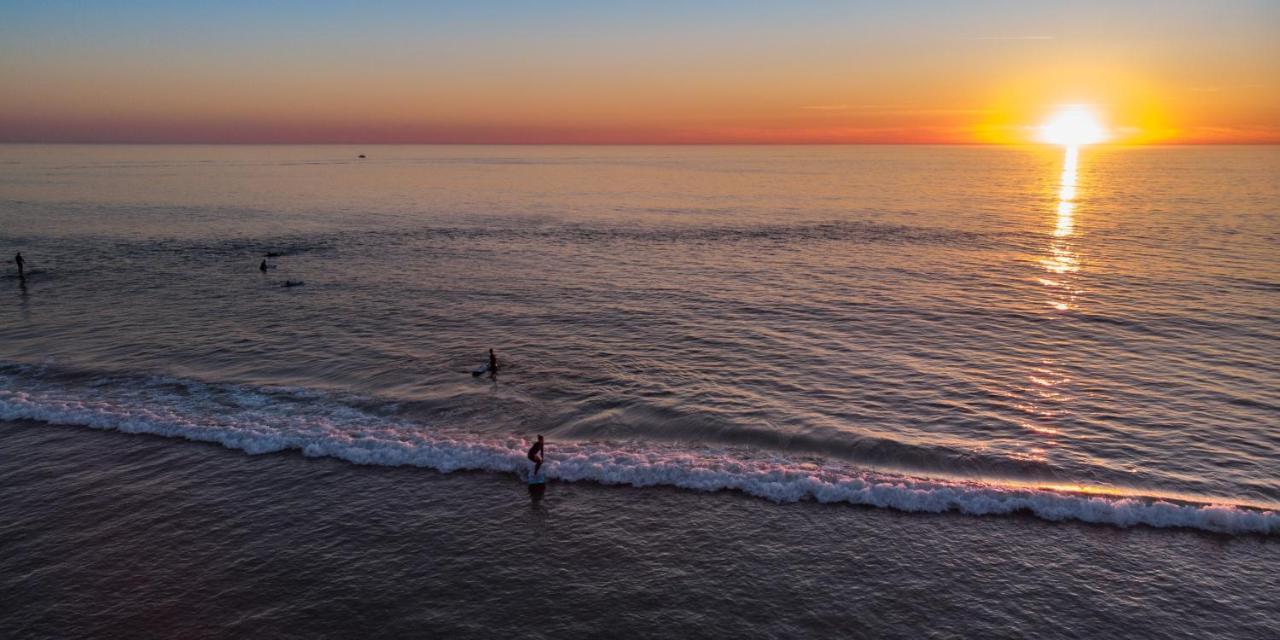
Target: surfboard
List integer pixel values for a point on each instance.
(535, 478)
(481, 371)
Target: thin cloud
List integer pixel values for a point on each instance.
(1012, 38)
(891, 108)
(1231, 87)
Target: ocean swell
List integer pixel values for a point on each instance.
(266, 420)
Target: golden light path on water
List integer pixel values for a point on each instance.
(1046, 393)
(1062, 260)
(1067, 193)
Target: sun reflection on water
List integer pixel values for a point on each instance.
(1047, 392)
(1062, 258)
(1067, 192)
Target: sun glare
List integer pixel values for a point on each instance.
(1072, 126)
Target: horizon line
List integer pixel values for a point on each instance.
(1193, 143)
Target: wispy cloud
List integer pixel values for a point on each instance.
(1012, 38)
(890, 108)
(1232, 87)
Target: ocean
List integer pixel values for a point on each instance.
(881, 391)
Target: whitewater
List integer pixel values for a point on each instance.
(270, 420)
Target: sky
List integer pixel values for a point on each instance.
(653, 72)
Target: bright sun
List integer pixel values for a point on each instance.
(1073, 125)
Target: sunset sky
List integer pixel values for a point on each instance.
(647, 72)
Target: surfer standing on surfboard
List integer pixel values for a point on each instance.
(535, 456)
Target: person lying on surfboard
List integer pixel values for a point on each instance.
(491, 368)
(535, 456)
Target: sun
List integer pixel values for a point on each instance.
(1072, 126)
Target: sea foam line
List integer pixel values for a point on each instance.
(254, 424)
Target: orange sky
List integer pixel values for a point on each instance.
(569, 72)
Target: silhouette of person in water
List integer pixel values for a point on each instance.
(22, 274)
(263, 267)
(493, 366)
(535, 456)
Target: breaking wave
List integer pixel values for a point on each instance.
(260, 420)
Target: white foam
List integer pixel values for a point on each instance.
(243, 419)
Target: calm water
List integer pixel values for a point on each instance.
(1064, 337)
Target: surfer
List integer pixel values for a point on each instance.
(22, 273)
(263, 267)
(535, 456)
(491, 368)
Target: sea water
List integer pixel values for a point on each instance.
(1006, 335)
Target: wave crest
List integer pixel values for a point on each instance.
(262, 420)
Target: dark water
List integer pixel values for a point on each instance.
(864, 337)
(114, 536)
